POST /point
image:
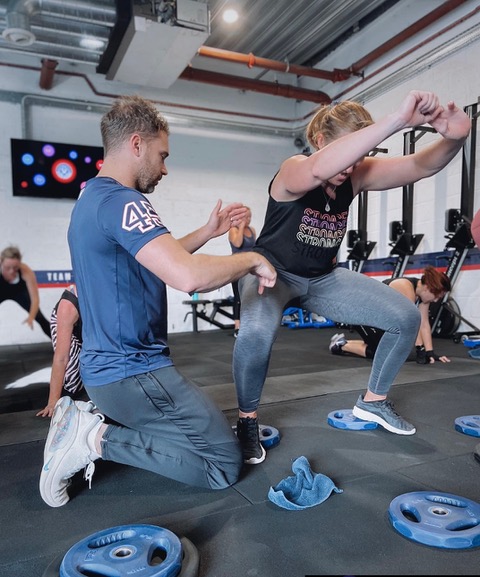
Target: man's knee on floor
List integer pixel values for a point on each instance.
(226, 472)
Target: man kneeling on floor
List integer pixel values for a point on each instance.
(123, 257)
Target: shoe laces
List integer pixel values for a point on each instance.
(390, 406)
(251, 430)
(88, 473)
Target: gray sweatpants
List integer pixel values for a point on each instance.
(166, 424)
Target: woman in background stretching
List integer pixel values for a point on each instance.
(19, 283)
(432, 286)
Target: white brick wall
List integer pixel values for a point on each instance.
(207, 164)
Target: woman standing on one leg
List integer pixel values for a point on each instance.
(306, 220)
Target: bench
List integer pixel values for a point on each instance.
(219, 306)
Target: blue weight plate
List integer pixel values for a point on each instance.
(125, 550)
(437, 519)
(470, 425)
(345, 419)
(472, 342)
(269, 436)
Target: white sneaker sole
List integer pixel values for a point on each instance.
(256, 460)
(367, 416)
(61, 406)
(51, 464)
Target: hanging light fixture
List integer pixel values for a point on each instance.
(230, 15)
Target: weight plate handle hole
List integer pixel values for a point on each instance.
(158, 556)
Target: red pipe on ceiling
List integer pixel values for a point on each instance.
(287, 91)
(225, 80)
(251, 60)
(416, 27)
(334, 76)
(47, 73)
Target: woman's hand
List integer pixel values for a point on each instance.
(419, 108)
(48, 410)
(452, 123)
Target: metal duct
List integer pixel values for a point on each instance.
(18, 15)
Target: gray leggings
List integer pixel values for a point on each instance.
(166, 424)
(342, 296)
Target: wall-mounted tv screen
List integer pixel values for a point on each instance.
(51, 169)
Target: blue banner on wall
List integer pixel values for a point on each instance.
(418, 262)
(54, 278)
(373, 267)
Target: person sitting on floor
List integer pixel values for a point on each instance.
(430, 288)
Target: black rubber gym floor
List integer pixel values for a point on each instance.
(239, 532)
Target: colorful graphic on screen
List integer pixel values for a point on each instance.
(52, 169)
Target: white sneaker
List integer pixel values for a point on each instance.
(336, 343)
(60, 407)
(66, 450)
(88, 406)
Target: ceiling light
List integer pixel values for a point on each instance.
(230, 15)
(91, 43)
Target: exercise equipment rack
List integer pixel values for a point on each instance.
(457, 225)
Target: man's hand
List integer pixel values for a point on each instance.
(221, 220)
(266, 274)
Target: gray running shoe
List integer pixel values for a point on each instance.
(383, 413)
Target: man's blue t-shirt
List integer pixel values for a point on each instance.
(122, 304)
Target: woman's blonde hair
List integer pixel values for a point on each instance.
(333, 119)
(10, 252)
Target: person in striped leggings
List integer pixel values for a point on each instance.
(66, 330)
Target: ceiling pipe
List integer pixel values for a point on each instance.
(413, 49)
(240, 83)
(251, 60)
(418, 26)
(47, 73)
(225, 80)
(337, 74)
(235, 113)
(165, 104)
